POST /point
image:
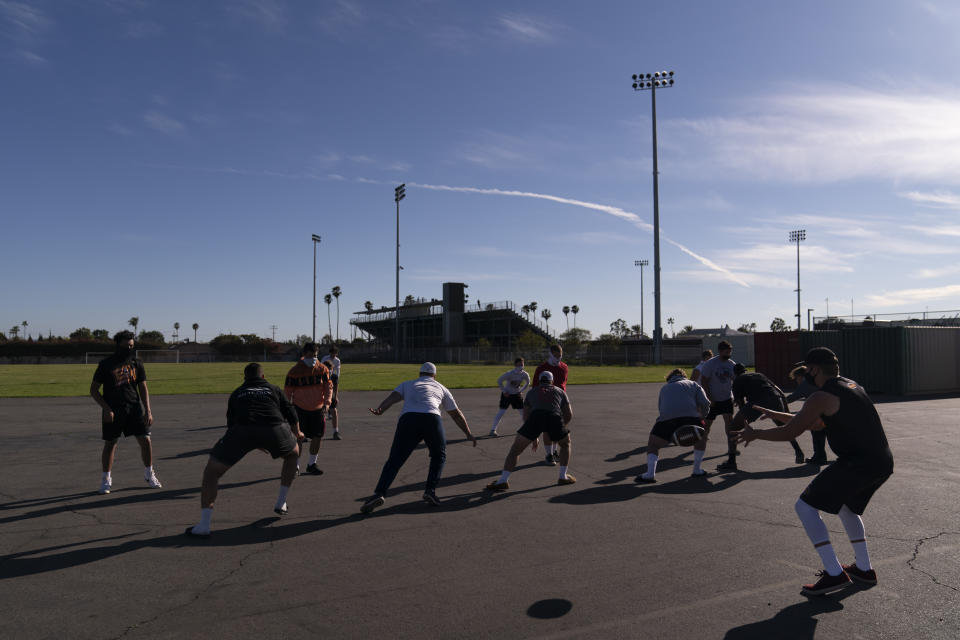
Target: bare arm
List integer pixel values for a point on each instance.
(567, 413)
(98, 398)
(145, 399)
(461, 421)
(388, 402)
(809, 417)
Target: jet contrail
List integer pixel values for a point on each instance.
(614, 211)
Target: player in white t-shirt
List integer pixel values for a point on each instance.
(706, 355)
(716, 378)
(333, 363)
(423, 398)
(512, 384)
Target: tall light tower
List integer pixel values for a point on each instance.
(798, 236)
(652, 82)
(399, 194)
(641, 264)
(316, 241)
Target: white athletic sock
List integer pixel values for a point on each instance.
(651, 465)
(503, 476)
(313, 458)
(106, 476)
(563, 472)
(552, 449)
(204, 525)
(817, 532)
(147, 472)
(853, 525)
(697, 460)
(497, 418)
(282, 498)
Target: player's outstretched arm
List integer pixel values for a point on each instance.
(782, 416)
(461, 421)
(388, 402)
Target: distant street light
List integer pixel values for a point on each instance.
(641, 264)
(652, 82)
(399, 194)
(798, 236)
(316, 241)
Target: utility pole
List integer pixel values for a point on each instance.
(641, 264)
(399, 194)
(316, 241)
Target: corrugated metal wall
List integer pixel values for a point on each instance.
(932, 360)
(775, 354)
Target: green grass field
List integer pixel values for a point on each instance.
(66, 380)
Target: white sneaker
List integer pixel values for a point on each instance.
(105, 487)
(493, 433)
(153, 481)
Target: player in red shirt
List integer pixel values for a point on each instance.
(559, 371)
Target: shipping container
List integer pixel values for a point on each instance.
(775, 354)
(932, 360)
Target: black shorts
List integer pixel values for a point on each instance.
(544, 422)
(312, 423)
(240, 440)
(128, 421)
(749, 414)
(664, 429)
(720, 408)
(514, 400)
(843, 484)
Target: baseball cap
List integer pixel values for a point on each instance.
(739, 368)
(546, 376)
(428, 367)
(819, 356)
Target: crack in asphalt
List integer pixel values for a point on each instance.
(916, 553)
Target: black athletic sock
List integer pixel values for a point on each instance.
(796, 446)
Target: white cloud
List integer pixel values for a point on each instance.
(526, 28)
(916, 296)
(936, 199)
(29, 57)
(938, 272)
(486, 252)
(825, 134)
(25, 18)
(360, 159)
(399, 166)
(268, 14)
(335, 176)
(119, 129)
(345, 14)
(951, 230)
(326, 159)
(143, 29)
(162, 123)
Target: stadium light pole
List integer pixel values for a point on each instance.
(399, 194)
(641, 264)
(798, 236)
(652, 82)
(316, 241)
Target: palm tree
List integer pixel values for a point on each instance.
(14, 331)
(176, 331)
(328, 299)
(533, 309)
(566, 311)
(670, 322)
(545, 314)
(574, 310)
(133, 322)
(195, 327)
(336, 294)
(24, 324)
(526, 311)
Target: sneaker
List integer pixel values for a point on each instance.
(859, 575)
(567, 479)
(153, 481)
(336, 435)
(548, 459)
(313, 470)
(497, 486)
(826, 584)
(642, 479)
(799, 457)
(493, 433)
(190, 533)
(105, 487)
(818, 460)
(729, 465)
(431, 499)
(281, 511)
(556, 456)
(698, 474)
(372, 503)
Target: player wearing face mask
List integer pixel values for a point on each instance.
(559, 371)
(308, 387)
(512, 384)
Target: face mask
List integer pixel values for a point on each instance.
(809, 377)
(125, 351)
(554, 360)
(518, 368)
(310, 362)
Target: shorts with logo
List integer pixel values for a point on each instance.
(312, 423)
(544, 422)
(664, 429)
(513, 400)
(239, 440)
(720, 407)
(843, 484)
(127, 421)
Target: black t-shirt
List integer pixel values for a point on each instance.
(754, 388)
(261, 404)
(120, 376)
(854, 432)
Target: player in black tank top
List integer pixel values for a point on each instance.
(854, 432)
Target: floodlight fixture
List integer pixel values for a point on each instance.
(798, 236)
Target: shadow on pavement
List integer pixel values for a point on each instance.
(25, 563)
(219, 426)
(796, 622)
(188, 454)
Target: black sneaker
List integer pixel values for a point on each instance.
(548, 459)
(281, 511)
(826, 584)
(556, 456)
(431, 499)
(313, 470)
(859, 575)
(799, 457)
(729, 465)
(336, 435)
(372, 503)
(642, 480)
(817, 460)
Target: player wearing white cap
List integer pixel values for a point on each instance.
(546, 409)
(423, 398)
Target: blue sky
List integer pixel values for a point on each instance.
(169, 160)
